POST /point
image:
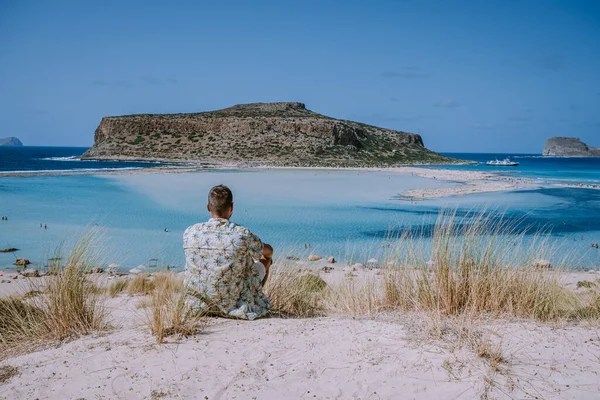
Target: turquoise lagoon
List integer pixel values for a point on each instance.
(344, 213)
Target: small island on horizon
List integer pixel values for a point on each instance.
(11, 141)
(569, 147)
(271, 134)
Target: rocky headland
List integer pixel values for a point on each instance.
(276, 134)
(569, 147)
(10, 141)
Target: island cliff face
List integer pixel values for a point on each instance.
(280, 134)
(569, 147)
(10, 141)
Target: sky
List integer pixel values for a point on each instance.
(469, 76)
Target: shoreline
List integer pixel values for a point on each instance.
(465, 182)
(468, 182)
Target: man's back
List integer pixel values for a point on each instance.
(218, 274)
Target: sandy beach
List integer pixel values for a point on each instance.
(377, 355)
(466, 182)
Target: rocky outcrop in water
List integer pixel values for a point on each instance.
(285, 134)
(569, 147)
(10, 141)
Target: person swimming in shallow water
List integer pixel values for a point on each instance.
(226, 264)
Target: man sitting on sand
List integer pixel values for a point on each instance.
(226, 264)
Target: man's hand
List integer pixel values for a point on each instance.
(266, 261)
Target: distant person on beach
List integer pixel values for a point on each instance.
(226, 264)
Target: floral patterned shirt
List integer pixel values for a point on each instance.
(219, 273)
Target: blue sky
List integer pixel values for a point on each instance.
(472, 76)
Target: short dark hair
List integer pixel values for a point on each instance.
(220, 199)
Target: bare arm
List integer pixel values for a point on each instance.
(266, 260)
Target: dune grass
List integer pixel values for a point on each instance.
(72, 303)
(7, 372)
(65, 304)
(167, 312)
(20, 321)
(117, 286)
(485, 266)
(355, 297)
(141, 284)
(295, 293)
(482, 267)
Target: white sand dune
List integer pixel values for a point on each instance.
(382, 356)
(323, 358)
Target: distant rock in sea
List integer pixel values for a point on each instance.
(10, 141)
(569, 147)
(279, 134)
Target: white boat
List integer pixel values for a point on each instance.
(502, 163)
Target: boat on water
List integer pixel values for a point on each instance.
(502, 163)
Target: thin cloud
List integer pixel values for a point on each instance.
(405, 72)
(113, 82)
(152, 80)
(520, 118)
(386, 118)
(146, 80)
(122, 82)
(418, 118)
(551, 62)
(447, 103)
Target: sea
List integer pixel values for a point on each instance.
(131, 219)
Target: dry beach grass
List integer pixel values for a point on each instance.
(66, 304)
(479, 268)
(464, 298)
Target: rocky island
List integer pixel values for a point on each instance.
(10, 141)
(569, 147)
(277, 134)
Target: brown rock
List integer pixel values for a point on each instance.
(22, 262)
(260, 133)
(8, 250)
(541, 264)
(30, 273)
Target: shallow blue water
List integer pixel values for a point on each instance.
(347, 214)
